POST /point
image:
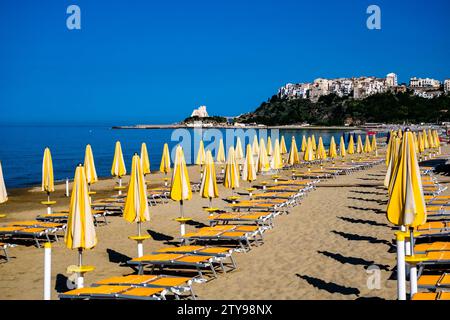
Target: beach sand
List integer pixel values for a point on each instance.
(320, 250)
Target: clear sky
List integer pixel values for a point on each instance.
(154, 61)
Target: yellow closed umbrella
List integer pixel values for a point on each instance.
(238, 152)
(431, 139)
(333, 149)
(208, 188)
(420, 143)
(293, 158)
(359, 145)
(80, 232)
(48, 184)
(437, 142)
(406, 205)
(220, 155)
(283, 148)
(231, 178)
(276, 162)
(308, 155)
(118, 167)
(351, 145)
(374, 144)
(249, 169)
(145, 161)
(313, 142)
(393, 156)
(304, 143)
(180, 189)
(89, 167)
(269, 146)
(255, 145)
(164, 167)
(367, 145)
(3, 193)
(136, 204)
(425, 140)
(263, 161)
(321, 154)
(201, 155)
(342, 151)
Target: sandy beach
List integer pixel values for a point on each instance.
(320, 250)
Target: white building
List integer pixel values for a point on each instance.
(391, 80)
(424, 83)
(447, 86)
(200, 112)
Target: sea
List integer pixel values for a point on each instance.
(21, 147)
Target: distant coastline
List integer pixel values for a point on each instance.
(218, 126)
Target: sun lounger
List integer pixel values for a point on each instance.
(243, 235)
(116, 292)
(5, 247)
(22, 233)
(433, 246)
(261, 219)
(432, 296)
(434, 282)
(249, 205)
(180, 261)
(176, 285)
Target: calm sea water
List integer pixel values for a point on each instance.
(21, 147)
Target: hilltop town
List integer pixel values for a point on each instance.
(363, 87)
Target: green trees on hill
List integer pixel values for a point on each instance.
(335, 110)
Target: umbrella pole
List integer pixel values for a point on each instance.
(401, 282)
(413, 266)
(80, 279)
(120, 186)
(140, 245)
(210, 202)
(182, 225)
(49, 208)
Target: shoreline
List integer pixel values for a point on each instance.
(286, 127)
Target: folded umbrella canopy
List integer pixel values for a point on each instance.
(293, 158)
(309, 152)
(231, 180)
(421, 143)
(374, 144)
(164, 167)
(80, 232)
(276, 162)
(180, 189)
(332, 152)
(359, 145)
(238, 152)
(48, 184)
(367, 145)
(313, 142)
(394, 148)
(255, 145)
(208, 188)
(220, 155)
(406, 204)
(321, 153)
(136, 204)
(351, 146)
(145, 161)
(201, 155)
(269, 146)
(342, 151)
(283, 148)
(304, 143)
(89, 166)
(249, 169)
(118, 167)
(431, 140)
(3, 194)
(263, 160)
(425, 140)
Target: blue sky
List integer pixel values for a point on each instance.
(153, 62)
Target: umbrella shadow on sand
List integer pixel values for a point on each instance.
(329, 286)
(117, 257)
(369, 192)
(196, 224)
(357, 237)
(375, 210)
(352, 260)
(157, 236)
(364, 221)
